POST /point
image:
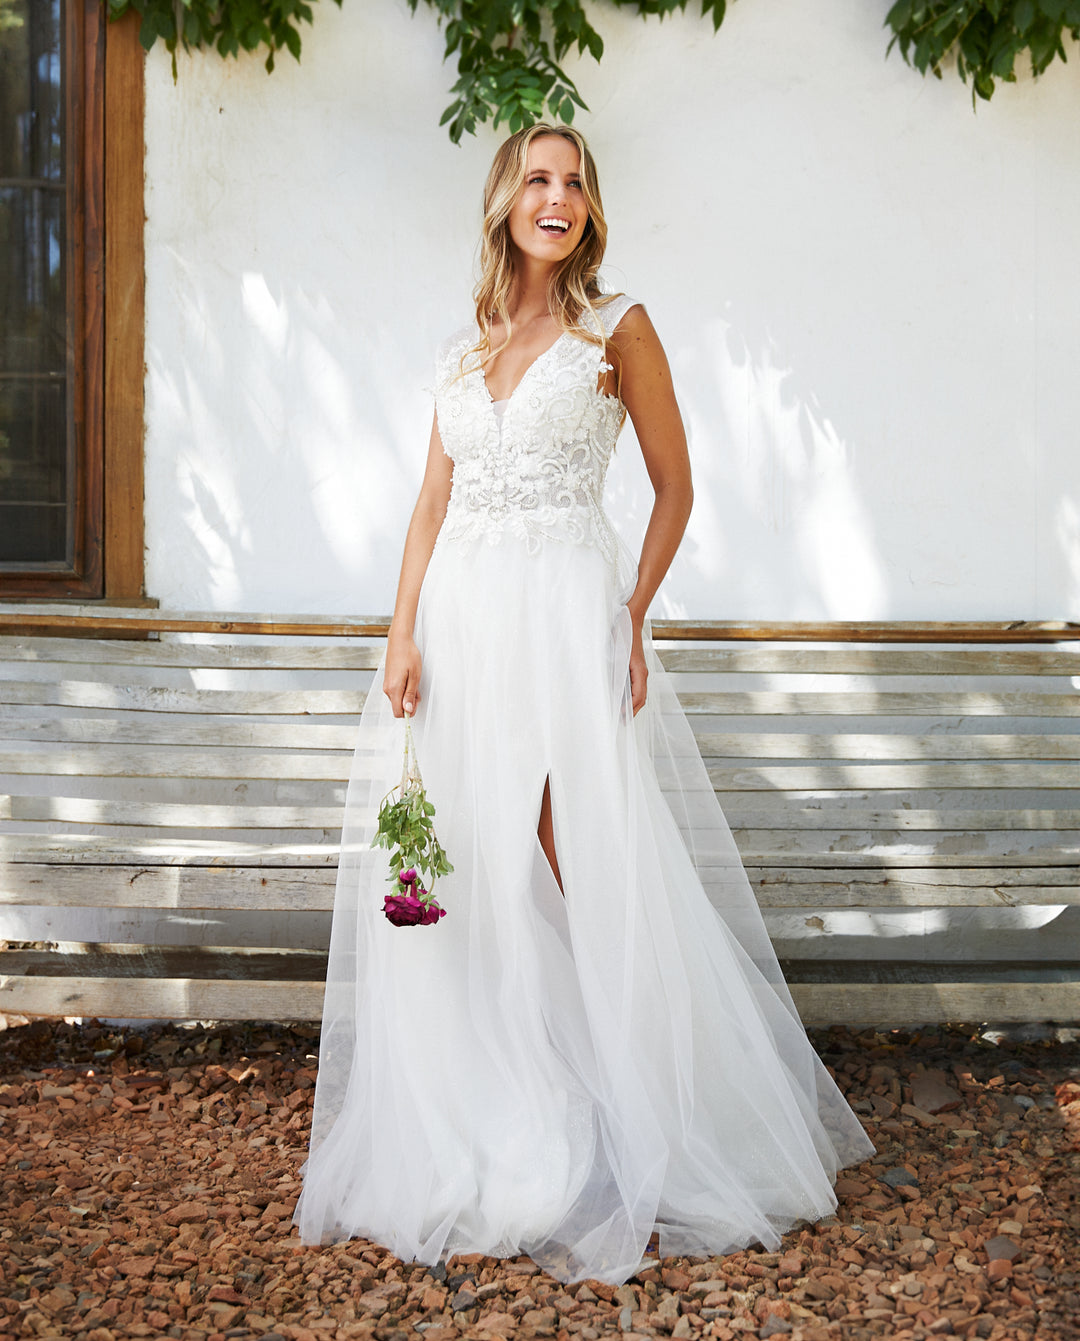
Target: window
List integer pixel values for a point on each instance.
(70, 408)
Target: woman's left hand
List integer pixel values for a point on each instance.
(639, 671)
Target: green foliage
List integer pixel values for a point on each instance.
(406, 828)
(509, 55)
(231, 26)
(508, 51)
(986, 36)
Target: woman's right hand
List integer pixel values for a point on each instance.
(401, 677)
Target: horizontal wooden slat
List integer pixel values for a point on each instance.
(90, 619)
(157, 730)
(162, 998)
(153, 849)
(172, 761)
(898, 847)
(754, 810)
(201, 655)
(190, 888)
(995, 887)
(40, 723)
(95, 694)
(884, 704)
(864, 852)
(748, 658)
(83, 617)
(964, 822)
(853, 745)
(913, 777)
(907, 777)
(237, 679)
(819, 1004)
(789, 659)
(869, 631)
(98, 959)
(261, 887)
(81, 810)
(897, 1004)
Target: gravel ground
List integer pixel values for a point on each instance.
(149, 1178)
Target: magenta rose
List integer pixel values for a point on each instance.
(432, 913)
(410, 910)
(404, 910)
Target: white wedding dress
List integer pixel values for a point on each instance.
(536, 1073)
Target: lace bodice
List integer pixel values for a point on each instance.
(536, 470)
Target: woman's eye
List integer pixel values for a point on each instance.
(533, 180)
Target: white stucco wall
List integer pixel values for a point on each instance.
(866, 291)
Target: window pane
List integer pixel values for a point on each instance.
(32, 297)
(34, 470)
(31, 92)
(36, 476)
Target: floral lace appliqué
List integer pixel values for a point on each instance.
(539, 472)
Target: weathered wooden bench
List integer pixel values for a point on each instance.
(906, 799)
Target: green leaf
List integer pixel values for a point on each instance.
(1024, 14)
(900, 15)
(718, 8)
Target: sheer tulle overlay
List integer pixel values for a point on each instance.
(544, 1072)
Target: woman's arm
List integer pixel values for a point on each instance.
(401, 681)
(648, 394)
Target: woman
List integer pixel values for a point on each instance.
(596, 1042)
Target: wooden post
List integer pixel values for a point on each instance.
(124, 309)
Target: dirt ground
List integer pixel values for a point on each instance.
(149, 1178)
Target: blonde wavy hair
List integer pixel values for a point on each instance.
(573, 288)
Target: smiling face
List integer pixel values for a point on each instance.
(549, 216)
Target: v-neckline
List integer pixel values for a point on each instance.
(507, 399)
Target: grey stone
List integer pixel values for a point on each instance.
(899, 1177)
(700, 1288)
(774, 1326)
(1002, 1249)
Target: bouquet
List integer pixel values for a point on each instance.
(406, 826)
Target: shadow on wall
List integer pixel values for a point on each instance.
(285, 485)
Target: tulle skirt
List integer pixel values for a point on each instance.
(549, 1072)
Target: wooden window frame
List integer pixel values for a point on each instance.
(105, 136)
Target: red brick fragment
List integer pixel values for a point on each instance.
(188, 1213)
(675, 1278)
(932, 1092)
(136, 1266)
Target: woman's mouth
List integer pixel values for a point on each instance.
(553, 225)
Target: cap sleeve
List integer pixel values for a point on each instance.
(612, 313)
(449, 353)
